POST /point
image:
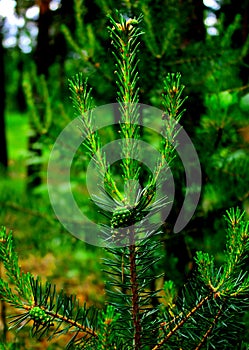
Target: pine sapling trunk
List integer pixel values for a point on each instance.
(135, 295)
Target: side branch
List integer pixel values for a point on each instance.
(67, 320)
(209, 331)
(181, 323)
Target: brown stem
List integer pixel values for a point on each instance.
(181, 323)
(67, 320)
(135, 295)
(205, 336)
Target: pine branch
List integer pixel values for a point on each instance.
(209, 331)
(38, 100)
(230, 280)
(13, 271)
(51, 312)
(181, 323)
(217, 296)
(172, 102)
(134, 279)
(84, 42)
(124, 35)
(107, 321)
(83, 104)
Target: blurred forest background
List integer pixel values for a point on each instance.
(45, 42)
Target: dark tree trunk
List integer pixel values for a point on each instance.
(196, 30)
(42, 54)
(43, 60)
(3, 141)
(58, 52)
(21, 101)
(195, 33)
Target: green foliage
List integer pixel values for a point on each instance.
(78, 41)
(215, 299)
(38, 101)
(107, 321)
(207, 312)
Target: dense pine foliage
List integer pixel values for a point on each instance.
(167, 291)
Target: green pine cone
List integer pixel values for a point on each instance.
(122, 217)
(39, 315)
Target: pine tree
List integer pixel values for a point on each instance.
(206, 313)
(216, 110)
